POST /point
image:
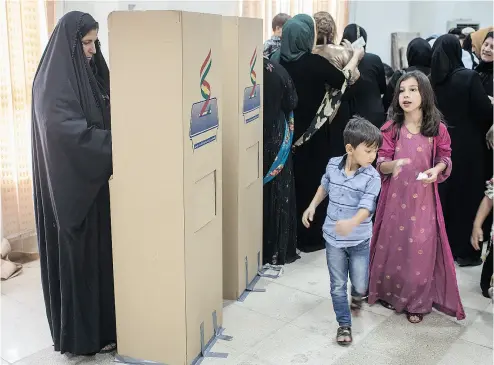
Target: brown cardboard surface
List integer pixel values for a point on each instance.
(203, 248)
(242, 153)
(165, 195)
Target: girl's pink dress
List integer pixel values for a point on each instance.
(411, 265)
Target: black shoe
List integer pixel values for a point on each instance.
(468, 262)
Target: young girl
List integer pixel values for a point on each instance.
(411, 265)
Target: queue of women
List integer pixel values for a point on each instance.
(313, 86)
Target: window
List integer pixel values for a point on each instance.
(23, 34)
(267, 9)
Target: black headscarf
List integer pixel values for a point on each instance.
(446, 58)
(485, 67)
(65, 45)
(97, 63)
(71, 121)
(353, 32)
(467, 43)
(419, 53)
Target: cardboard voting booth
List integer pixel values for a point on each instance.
(166, 191)
(242, 153)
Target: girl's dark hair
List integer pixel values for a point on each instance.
(431, 116)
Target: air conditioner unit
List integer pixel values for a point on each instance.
(462, 23)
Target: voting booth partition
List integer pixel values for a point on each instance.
(166, 190)
(242, 154)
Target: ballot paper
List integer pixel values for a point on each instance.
(360, 42)
(422, 176)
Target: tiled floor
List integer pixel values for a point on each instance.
(291, 323)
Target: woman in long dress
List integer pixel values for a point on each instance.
(72, 162)
(280, 214)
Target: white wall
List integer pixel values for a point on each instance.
(101, 9)
(381, 18)
(431, 17)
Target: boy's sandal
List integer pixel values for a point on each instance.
(342, 335)
(356, 304)
(386, 305)
(415, 317)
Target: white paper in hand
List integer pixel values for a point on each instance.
(422, 176)
(359, 43)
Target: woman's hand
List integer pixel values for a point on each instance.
(359, 52)
(489, 138)
(347, 45)
(477, 236)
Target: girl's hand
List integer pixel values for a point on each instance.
(477, 236)
(432, 173)
(399, 165)
(308, 216)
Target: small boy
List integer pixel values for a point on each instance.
(353, 186)
(273, 44)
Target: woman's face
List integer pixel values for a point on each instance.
(89, 44)
(486, 52)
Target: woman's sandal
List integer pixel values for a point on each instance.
(356, 305)
(108, 348)
(415, 317)
(342, 335)
(386, 305)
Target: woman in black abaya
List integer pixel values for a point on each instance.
(72, 163)
(485, 66)
(280, 214)
(310, 74)
(366, 94)
(468, 112)
(419, 55)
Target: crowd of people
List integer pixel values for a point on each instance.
(330, 109)
(425, 124)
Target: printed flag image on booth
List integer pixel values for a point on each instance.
(252, 94)
(204, 119)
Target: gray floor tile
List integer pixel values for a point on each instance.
(293, 322)
(364, 356)
(480, 331)
(418, 344)
(463, 352)
(49, 357)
